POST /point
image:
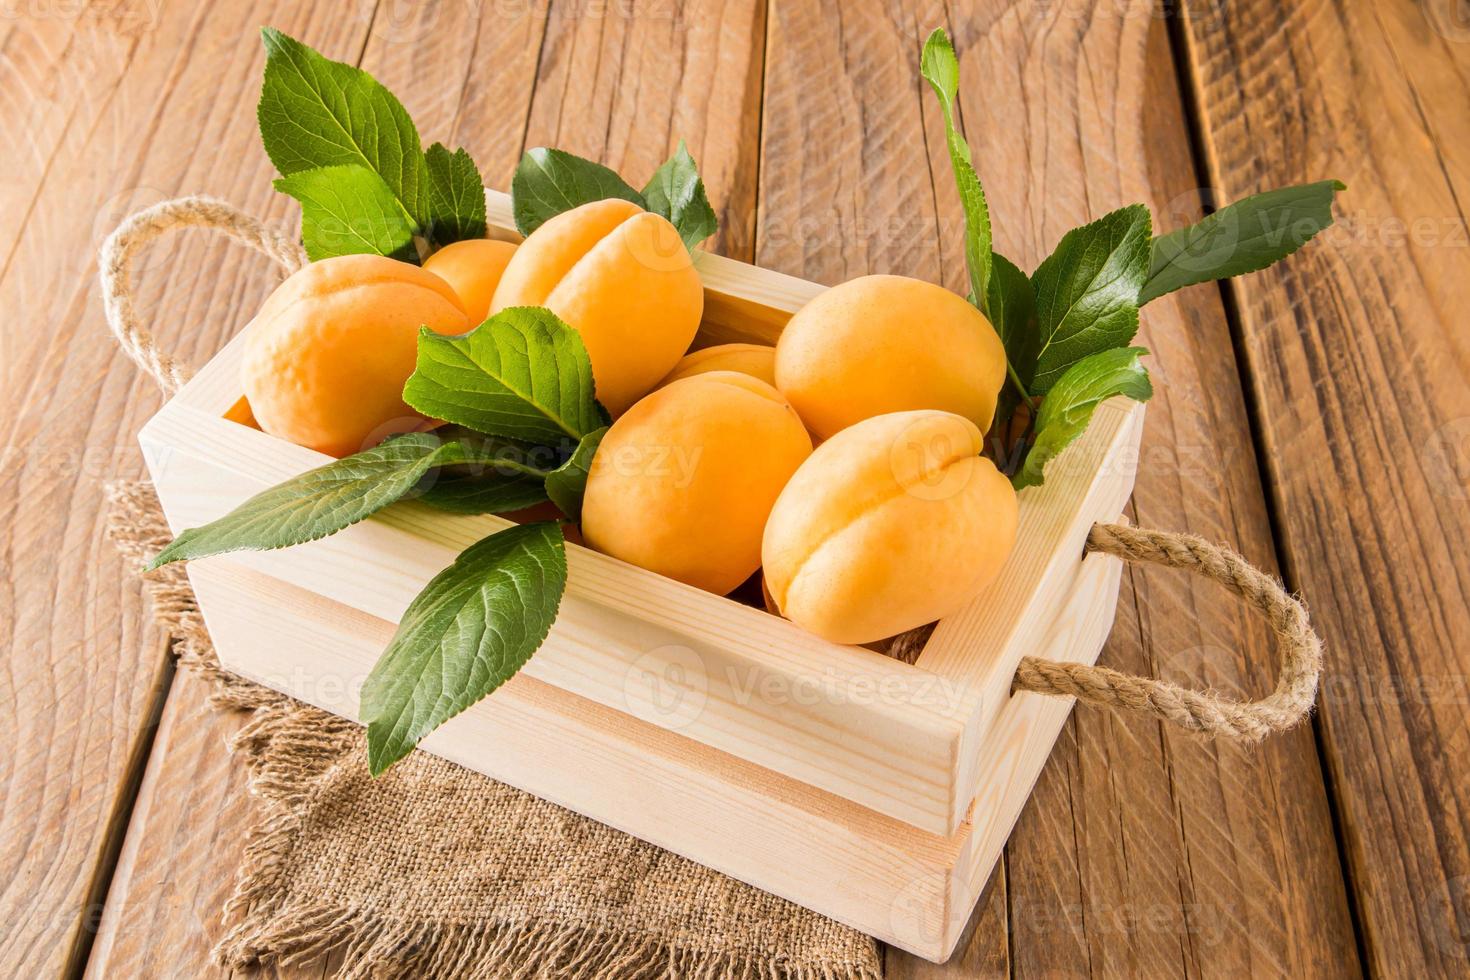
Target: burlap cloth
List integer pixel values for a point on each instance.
(436, 871)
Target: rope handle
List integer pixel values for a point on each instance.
(1211, 714)
(116, 269)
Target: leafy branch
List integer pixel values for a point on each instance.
(1066, 327)
(525, 425)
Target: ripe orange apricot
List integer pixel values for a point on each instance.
(881, 344)
(683, 481)
(472, 268)
(621, 277)
(329, 352)
(892, 523)
(756, 360)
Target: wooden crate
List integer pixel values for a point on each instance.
(876, 792)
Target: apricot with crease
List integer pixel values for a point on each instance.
(892, 523)
(621, 277)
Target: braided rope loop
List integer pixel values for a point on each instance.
(1211, 714)
(116, 270)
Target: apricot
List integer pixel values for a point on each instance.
(756, 360)
(882, 344)
(621, 277)
(683, 481)
(327, 357)
(892, 523)
(472, 268)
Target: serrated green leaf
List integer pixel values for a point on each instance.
(1070, 404)
(567, 484)
(476, 493)
(677, 192)
(1087, 292)
(327, 499)
(456, 196)
(522, 374)
(515, 479)
(348, 210)
(548, 182)
(941, 69)
(1013, 314)
(472, 627)
(1242, 237)
(315, 112)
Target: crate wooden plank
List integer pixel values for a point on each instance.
(1359, 366)
(903, 885)
(749, 670)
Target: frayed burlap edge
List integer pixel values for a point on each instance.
(283, 747)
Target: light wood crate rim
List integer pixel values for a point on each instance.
(911, 753)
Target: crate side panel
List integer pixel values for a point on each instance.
(981, 644)
(847, 720)
(857, 866)
(1021, 740)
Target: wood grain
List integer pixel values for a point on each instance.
(1148, 851)
(192, 71)
(1359, 362)
(1137, 833)
(1355, 347)
(465, 72)
(105, 93)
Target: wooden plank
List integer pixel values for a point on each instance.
(83, 672)
(466, 72)
(195, 71)
(1359, 364)
(900, 884)
(1054, 97)
(1148, 851)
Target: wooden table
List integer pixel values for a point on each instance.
(1316, 417)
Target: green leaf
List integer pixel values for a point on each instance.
(315, 112)
(1013, 314)
(325, 500)
(941, 69)
(456, 196)
(472, 627)
(522, 374)
(461, 490)
(1242, 237)
(506, 476)
(1087, 292)
(677, 192)
(348, 210)
(548, 182)
(568, 482)
(1069, 405)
